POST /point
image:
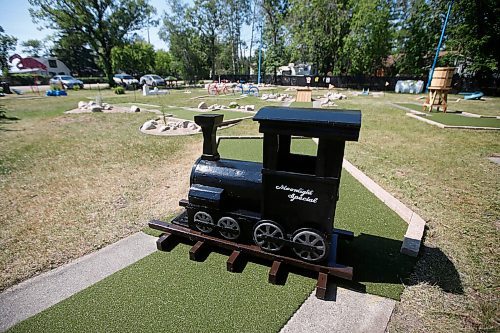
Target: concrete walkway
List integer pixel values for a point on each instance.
(37, 294)
(351, 312)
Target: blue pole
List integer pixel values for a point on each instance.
(439, 46)
(260, 53)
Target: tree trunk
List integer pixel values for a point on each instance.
(108, 67)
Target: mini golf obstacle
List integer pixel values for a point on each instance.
(438, 90)
(281, 210)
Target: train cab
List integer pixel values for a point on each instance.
(300, 192)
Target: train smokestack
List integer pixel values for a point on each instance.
(208, 124)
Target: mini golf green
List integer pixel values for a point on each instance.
(167, 292)
(454, 118)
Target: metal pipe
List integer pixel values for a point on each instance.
(439, 46)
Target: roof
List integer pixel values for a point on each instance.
(333, 124)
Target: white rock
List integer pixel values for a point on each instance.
(249, 107)
(96, 108)
(149, 125)
(192, 126)
(82, 105)
(202, 106)
(265, 96)
(233, 105)
(135, 108)
(186, 123)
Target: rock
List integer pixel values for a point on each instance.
(166, 128)
(265, 97)
(202, 106)
(249, 107)
(149, 125)
(233, 105)
(214, 107)
(186, 123)
(135, 108)
(192, 126)
(96, 108)
(82, 105)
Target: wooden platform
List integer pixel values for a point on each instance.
(173, 233)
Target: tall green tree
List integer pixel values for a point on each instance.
(75, 52)
(137, 58)
(184, 41)
(417, 29)
(275, 13)
(317, 29)
(369, 40)
(473, 36)
(163, 63)
(236, 14)
(206, 16)
(7, 44)
(104, 23)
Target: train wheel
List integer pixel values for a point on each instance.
(265, 229)
(231, 227)
(311, 238)
(203, 220)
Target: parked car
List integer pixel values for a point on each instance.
(152, 80)
(68, 81)
(125, 80)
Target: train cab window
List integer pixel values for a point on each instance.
(289, 160)
(52, 63)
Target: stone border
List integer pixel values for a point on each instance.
(416, 225)
(416, 114)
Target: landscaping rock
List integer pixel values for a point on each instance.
(233, 105)
(249, 107)
(82, 105)
(135, 108)
(202, 106)
(265, 97)
(96, 108)
(149, 125)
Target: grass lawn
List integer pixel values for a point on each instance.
(302, 104)
(168, 292)
(91, 179)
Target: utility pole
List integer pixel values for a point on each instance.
(260, 51)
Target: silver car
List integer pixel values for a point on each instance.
(152, 80)
(68, 81)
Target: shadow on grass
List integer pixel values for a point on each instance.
(6, 121)
(379, 267)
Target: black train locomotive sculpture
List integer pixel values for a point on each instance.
(286, 204)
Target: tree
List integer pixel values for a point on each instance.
(417, 28)
(236, 13)
(206, 17)
(317, 29)
(473, 35)
(103, 23)
(7, 44)
(137, 58)
(32, 47)
(185, 44)
(163, 63)
(275, 12)
(368, 42)
(74, 51)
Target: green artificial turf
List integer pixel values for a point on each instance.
(169, 293)
(454, 118)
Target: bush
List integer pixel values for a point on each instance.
(28, 79)
(119, 90)
(92, 79)
(76, 87)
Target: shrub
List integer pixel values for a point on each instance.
(76, 87)
(119, 90)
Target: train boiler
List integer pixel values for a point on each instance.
(286, 204)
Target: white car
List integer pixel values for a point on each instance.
(125, 80)
(152, 80)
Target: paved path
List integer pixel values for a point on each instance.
(351, 312)
(35, 295)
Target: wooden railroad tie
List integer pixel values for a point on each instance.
(172, 235)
